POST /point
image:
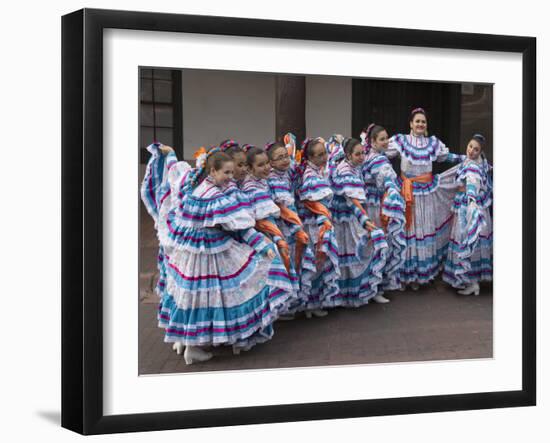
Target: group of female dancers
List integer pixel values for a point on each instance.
(251, 235)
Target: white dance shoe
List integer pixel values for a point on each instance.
(470, 289)
(316, 313)
(379, 298)
(178, 347)
(415, 286)
(194, 354)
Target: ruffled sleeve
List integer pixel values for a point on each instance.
(360, 213)
(281, 189)
(233, 191)
(471, 175)
(314, 189)
(443, 154)
(255, 240)
(349, 185)
(383, 173)
(214, 210)
(394, 149)
(393, 205)
(261, 202)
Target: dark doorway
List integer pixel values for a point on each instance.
(290, 106)
(389, 102)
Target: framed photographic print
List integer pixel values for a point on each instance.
(268, 221)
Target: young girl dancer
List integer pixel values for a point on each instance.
(469, 259)
(385, 205)
(218, 284)
(314, 193)
(240, 170)
(281, 184)
(265, 212)
(428, 199)
(362, 246)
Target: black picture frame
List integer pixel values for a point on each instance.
(82, 215)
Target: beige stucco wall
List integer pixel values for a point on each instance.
(221, 104)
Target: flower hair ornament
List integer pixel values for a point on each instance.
(418, 111)
(366, 136)
(290, 144)
(201, 156)
(229, 143)
(247, 147)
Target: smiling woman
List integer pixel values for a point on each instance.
(427, 196)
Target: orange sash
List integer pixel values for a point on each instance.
(302, 238)
(267, 227)
(408, 195)
(384, 219)
(319, 209)
(289, 215)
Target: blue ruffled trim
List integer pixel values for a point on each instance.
(458, 262)
(224, 325)
(198, 212)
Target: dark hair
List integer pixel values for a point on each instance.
(270, 148)
(251, 153)
(308, 143)
(417, 111)
(349, 144)
(374, 131)
(480, 139)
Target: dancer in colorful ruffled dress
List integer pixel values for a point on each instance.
(385, 205)
(233, 187)
(265, 212)
(470, 256)
(362, 245)
(218, 284)
(315, 194)
(282, 186)
(428, 198)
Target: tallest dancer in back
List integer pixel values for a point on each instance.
(428, 198)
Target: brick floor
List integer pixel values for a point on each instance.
(434, 323)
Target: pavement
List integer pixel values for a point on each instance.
(434, 323)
